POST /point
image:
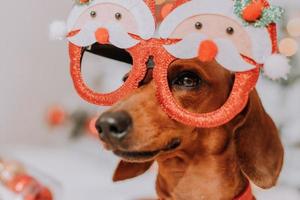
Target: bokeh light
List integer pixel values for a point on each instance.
(293, 27)
(288, 46)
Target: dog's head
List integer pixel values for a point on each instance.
(139, 131)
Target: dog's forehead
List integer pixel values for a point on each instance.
(212, 70)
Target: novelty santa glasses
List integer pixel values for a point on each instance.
(240, 35)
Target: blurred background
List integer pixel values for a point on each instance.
(45, 125)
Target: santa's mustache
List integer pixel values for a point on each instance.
(117, 35)
(227, 55)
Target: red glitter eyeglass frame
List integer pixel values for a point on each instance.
(244, 82)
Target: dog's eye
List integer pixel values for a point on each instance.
(187, 80)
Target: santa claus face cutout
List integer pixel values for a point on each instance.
(110, 21)
(238, 39)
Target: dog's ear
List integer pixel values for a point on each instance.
(259, 148)
(126, 170)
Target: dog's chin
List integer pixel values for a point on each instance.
(145, 156)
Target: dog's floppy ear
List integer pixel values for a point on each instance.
(126, 170)
(259, 148)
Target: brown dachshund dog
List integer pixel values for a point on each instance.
(194, 163)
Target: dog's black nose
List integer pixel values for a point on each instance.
(114, 124)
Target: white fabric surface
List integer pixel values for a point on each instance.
(83, 170)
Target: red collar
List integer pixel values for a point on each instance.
(246, 195)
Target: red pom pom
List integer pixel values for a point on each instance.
(102, 36)
(84, 1)
(207, 51)
(253, 11)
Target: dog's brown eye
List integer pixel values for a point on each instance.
(188, 80)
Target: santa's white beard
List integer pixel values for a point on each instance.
(228, 56)
(117, 35)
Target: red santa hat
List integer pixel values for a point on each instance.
(276, 65)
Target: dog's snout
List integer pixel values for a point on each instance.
(114, 124)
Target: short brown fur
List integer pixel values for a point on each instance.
(210, 164)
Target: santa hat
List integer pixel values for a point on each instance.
(276, 65)
(257, 17)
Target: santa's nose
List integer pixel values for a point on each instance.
(102, 36)
(208, 50)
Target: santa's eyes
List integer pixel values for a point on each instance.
(93, 14)
(230, 31)
(118, 15)
(198, 25)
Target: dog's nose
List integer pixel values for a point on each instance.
(114, 124)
